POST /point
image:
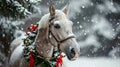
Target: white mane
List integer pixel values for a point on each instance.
(45, 19)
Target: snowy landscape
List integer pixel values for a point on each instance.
(92, 62)
(96, 24)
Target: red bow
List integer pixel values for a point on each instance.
(31, 59)
(59, 61)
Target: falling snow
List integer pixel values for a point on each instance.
(96, 25)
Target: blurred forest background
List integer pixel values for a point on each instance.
(96, 24)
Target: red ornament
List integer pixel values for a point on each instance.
(32, 28)
(59, 61)
(31, 59)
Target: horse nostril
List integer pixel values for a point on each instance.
(73, 51)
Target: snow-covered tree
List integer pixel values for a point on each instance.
(12, 14)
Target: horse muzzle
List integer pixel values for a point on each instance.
(72, 52)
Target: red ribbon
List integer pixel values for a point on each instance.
(59, 61)
(31, 59)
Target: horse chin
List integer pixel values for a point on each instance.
(73, 59)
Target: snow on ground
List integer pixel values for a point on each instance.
(92, 62)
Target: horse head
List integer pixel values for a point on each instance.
(59, 31)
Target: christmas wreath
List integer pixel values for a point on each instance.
(30, 53)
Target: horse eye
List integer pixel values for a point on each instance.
(57, 26)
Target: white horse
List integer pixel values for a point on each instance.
(54, 30)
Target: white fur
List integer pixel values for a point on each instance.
(17, 41)
(16, 53)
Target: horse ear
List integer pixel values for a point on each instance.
(52, 10)
(66, 9)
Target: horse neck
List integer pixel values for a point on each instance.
(43, 46)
